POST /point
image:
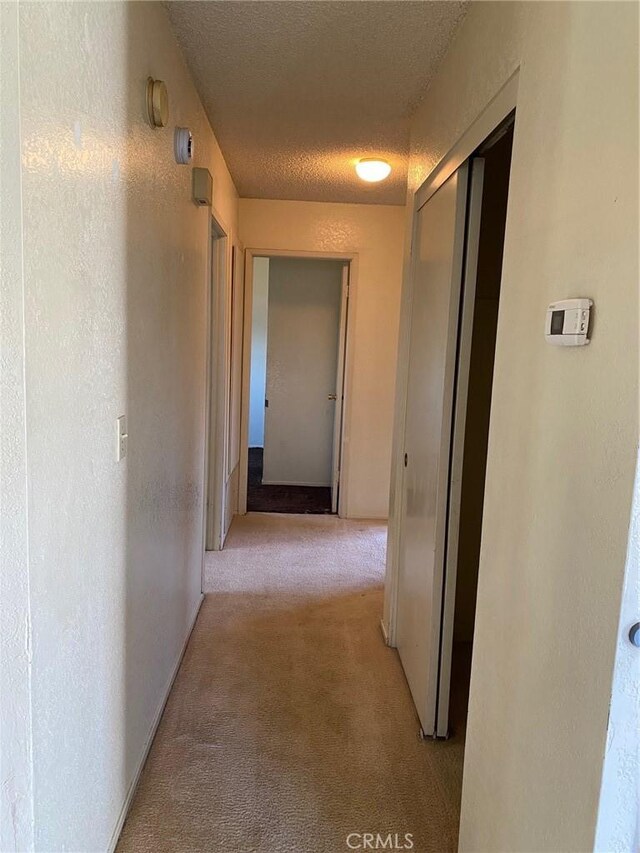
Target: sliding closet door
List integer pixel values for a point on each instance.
(437, 274)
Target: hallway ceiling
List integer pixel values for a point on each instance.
(298, 91)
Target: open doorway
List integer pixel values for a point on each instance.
(458, 248)
(296, 384)
(471, 430)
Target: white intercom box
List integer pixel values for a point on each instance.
(567, 323)
(202, 185)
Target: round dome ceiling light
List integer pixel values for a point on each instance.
(373, 170)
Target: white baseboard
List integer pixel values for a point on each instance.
(152, 733)
(385, 635)
(358, 517)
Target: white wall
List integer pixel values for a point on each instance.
(113, 288)
(375, 233)
(16, 794)
(554, 535)
(260, 308)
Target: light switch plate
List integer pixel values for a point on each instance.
(121, 438)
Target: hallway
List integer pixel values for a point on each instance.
(290, 724)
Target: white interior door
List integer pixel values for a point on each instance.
(305, 297)
(339, 395)
(437, 275)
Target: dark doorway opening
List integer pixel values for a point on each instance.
(496, 153)
(293, 499)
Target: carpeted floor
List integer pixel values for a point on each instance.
(290, 724)
(290, 499)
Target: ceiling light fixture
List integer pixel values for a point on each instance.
(372, 170)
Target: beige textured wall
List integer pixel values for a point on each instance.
(375, 233)
(113, 286)
(564, 424)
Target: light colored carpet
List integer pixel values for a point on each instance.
(290, 724)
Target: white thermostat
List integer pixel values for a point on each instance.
(567, 323)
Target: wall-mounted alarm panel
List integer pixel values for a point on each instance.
(202, 187)
(567, 323)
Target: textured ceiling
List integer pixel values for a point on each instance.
(297, 92)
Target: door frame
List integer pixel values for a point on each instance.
(336, 438)
(351, 258)
(215, 385)
(496, 111)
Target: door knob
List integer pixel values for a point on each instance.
(634, 634)
(332, 397)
